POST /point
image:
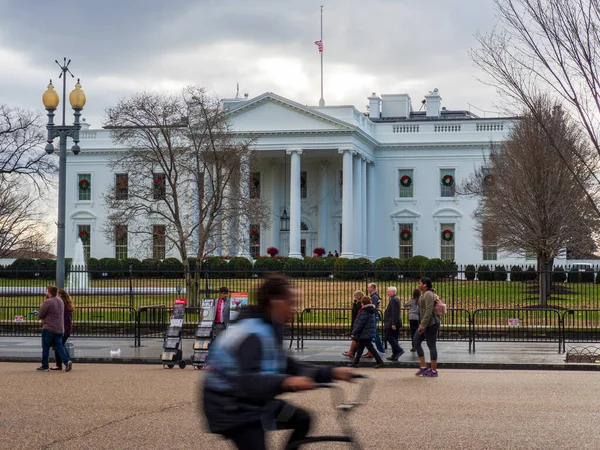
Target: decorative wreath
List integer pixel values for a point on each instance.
(488, 179)
(158, 232)
(121, 181)
(405, 181)
(83, 235)
(448, 180)
(84, 184)
(253, 233)
(405, 235)
(159, 180)
(447, 235)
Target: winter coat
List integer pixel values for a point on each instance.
(427, 317)
(413, 313)
(391, 317)
(247, 365)
(364, 326)
(355, 310)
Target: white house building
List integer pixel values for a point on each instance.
(364, 185)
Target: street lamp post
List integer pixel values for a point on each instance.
(51, 101)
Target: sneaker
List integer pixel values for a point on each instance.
(422, 371)
(43, 369)
(431, 373)
(69, 366)
(379, 366)
(392, 358)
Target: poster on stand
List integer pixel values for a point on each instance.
(237, 301)
(178, 312)
(209, 309)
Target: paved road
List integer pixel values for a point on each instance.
(146, 407)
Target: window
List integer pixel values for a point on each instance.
(255, 185)
(255, 241)
(488, 179)
(159, 248)
(405, 183)
(405, 239)
(121, 241)
(447, 183)
(447, 240)
(121, 186)
(489, 244)
(303, 189)
(84, 186)
(159, 186)
(84, 232)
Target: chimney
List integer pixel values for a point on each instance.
(374, 106)
(433, 105)
(84, 124)
(396, 105)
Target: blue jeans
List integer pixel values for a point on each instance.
(50, 339)
(378, 342)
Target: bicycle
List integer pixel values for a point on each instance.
(343, 408)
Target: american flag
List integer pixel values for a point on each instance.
(319, 44)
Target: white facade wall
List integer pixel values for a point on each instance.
(323, 134)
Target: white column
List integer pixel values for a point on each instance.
(363, 199)
(323, 210)
(244, 222)
(347, 203)
(371, 209)
(275, 193)
(358, 212)
(295, 212)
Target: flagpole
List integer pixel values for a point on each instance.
(322, 101)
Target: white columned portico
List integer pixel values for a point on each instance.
(275, 196)
(244, 221)
(295, 211)
(371, 208)
(322, 209)
(358, 212)
(363, 200)
(347, 203)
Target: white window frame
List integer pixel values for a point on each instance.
(397, 198)
(443, 226)
(406, 216)
(439, 180)
(89, 202)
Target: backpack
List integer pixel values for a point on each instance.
(439, 307)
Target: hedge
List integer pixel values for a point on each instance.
(559, 275)
(319, 267)
(470, 272)
(387, 269)
(240, 267)
(266, 264)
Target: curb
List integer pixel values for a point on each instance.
(395, 365)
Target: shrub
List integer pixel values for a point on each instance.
(484, 273)
(530, 274)
(516, 273)
(241, 267)
(587, 276)
(216, 267)
(434, 269)
(574, 276)
(414, 266)
(272, 251)
(559, 275)
(265, 265)
(386, 269)
(319, 251)
(319, 267)
(352, 269)
(500, 273)
(172, 268)
(450, 269)
(470, 272)
(598, 278)
(294, 267)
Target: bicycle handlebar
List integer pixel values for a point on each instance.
(355, 376)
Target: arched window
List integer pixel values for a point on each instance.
(303, 226)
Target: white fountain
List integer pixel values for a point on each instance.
(78, 278)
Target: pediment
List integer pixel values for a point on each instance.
(447, 212)
(83, 214)
(405, 213)
(270, 112)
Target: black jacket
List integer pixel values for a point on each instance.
(225, 412)
(364, 326)
(391, 317)
(355, 309)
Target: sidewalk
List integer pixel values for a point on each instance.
(452, 355)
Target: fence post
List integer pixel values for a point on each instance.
(131, 299)
(453, 281)
(137, 341)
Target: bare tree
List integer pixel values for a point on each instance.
(548, 47)
(529, 199)
(20, 219)
(185, 171)
(22, 142)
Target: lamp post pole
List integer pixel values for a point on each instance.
(51, 100)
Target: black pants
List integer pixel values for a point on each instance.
(289, 418)
(368, 344)
(429, 335)
(57, 356)
(391, 337)
(414, 326)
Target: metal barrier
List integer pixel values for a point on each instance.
(517, 325)
(581, 325)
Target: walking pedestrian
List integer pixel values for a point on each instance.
(413, 316)
(392, 323)
(53, 319)
(372, 290)
(429, 325)
(364, 332)
(68, 326)
(356, 306)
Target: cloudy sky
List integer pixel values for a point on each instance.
(119, 47)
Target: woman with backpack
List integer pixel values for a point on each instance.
(429, 325)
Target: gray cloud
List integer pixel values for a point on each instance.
(118, 47)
